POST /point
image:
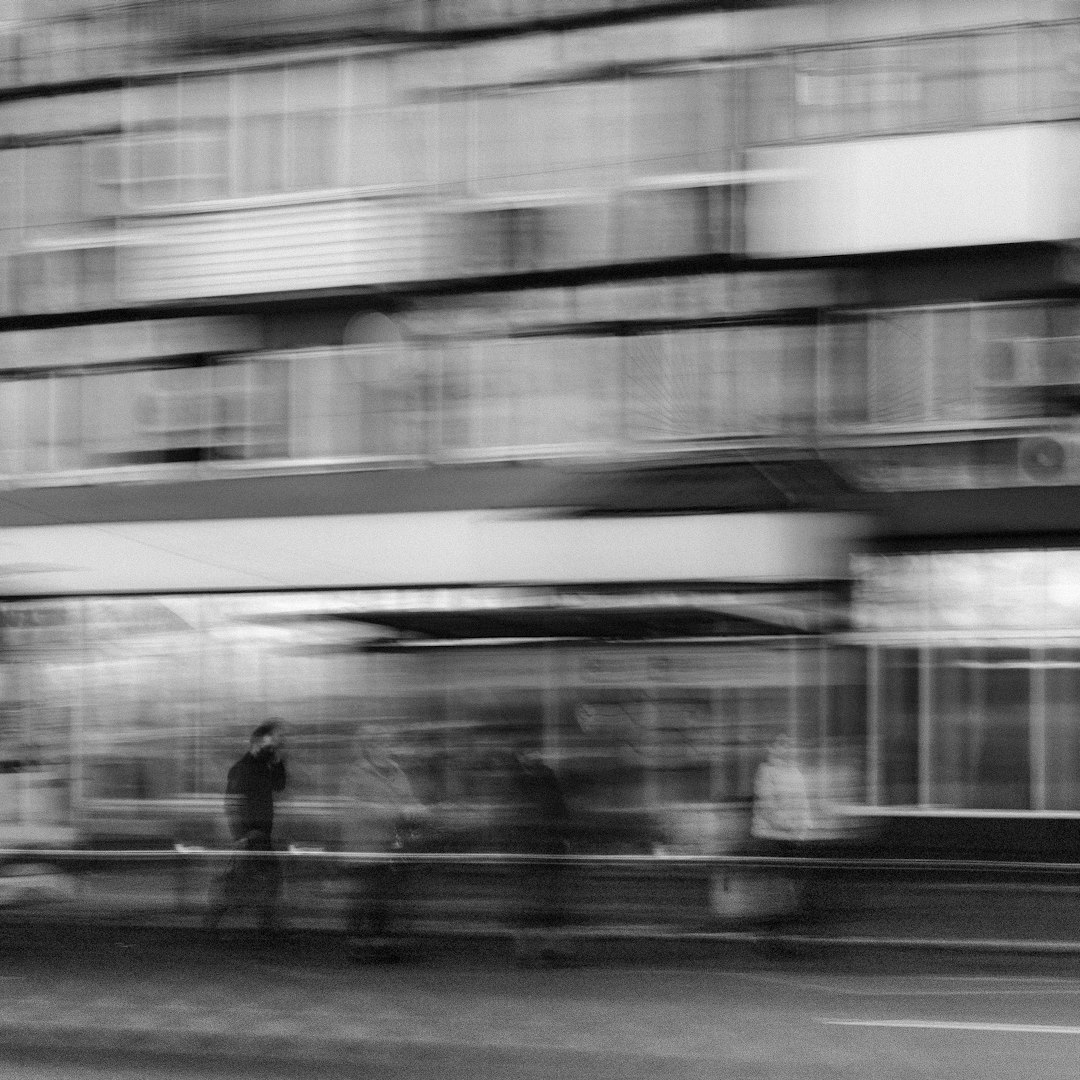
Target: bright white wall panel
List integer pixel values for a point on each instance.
(992, 186)
(436, 548)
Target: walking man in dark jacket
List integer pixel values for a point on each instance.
(249, 807)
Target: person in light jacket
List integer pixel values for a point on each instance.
(782, 810)
(782, 821)
(381, 810)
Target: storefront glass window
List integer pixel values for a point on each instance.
(898, 727)
(1062, 743)
(980, 712)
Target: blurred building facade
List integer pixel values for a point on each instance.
(386, 360)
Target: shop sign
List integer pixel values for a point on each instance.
(968, 591)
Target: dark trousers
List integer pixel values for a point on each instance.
(804, 890)
(377, 906)
(252, 880)
(542, 895)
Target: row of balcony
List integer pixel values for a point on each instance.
(86, 39)
(359, 242)
(984, 394)
(850, 75)
(833, 199)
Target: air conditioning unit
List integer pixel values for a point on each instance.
(1049, 459)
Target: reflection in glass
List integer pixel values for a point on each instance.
(898, 727)
(1062, 682)
(981, 701)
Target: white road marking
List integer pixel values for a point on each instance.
(958, 1025)
(918, 986)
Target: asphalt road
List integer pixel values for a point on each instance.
(71, 1011)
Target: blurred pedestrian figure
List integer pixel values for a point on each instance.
(249, 809)
(540, 828)
(782, 818)
(382, 812)
(781, 811)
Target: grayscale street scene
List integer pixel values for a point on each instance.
(538, 538)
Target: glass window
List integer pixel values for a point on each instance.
(899, 367)
(116, 402)
(43, 690)
(980, 716)
(148, 415)
(389, 137)
(1062, 744)
(763, 379)
(204, 146)
(261, 656)
(54, 186)
(46, 433)
(880, 89)
(450, 159)
(324, 420)
(314, 137)
(391, 147)
(368, 400)
(260, 154)
(679, 123)
(945, 76)
(12, 221)
(156, 168)
(177, 142)
(898, 727)
(451, 363)
(393, 406)
(1007, 342)
(502, 394)
(998, 79)
(783, 359)
(682, 750)
(846, 370)
(1051, 70)
(154, 165)
(12, 434)
(186, 413)
(769, 99)
(509, 140)
(248, 408)
(11, 50)
(313, 148)
(653, 402)
(953, 395)
(606, 739)
(131, 743)
(718, 394)
(720, 381)
(103, 167)
(260, 136)
(550, 139)
(846, 698)
(820, 91)
(749, 719)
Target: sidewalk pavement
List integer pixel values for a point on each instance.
(890, 911)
